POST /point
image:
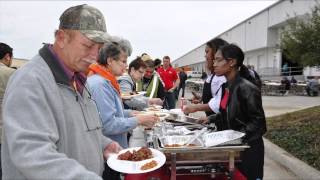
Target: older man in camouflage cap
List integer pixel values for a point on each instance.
(88, 20)
(52, 128)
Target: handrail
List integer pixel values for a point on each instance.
(291, 70)
(272, 71)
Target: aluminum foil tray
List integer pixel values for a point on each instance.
(179, 142)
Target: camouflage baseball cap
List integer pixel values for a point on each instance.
(88, 20)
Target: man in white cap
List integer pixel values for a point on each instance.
(52, 128)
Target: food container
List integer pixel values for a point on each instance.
(177, 114)
(178, 130)
(179, 155)
(179, 142)
(222, 137)
(194, 154)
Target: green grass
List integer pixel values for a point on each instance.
(298, 133)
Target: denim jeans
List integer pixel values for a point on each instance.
(169, 100)
(181, 86)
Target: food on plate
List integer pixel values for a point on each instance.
(161, 114)
(142, 154)
(151, 108)
(154, 108)
(149, 165)
(179, 145)
(125, 156)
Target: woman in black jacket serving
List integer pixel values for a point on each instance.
(241, 109)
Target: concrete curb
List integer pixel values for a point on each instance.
(296, 166)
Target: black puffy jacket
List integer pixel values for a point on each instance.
(244, 110)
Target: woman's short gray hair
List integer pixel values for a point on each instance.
(124, 44)
(109, 50)
(113, 48)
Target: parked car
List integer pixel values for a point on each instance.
(194, 74)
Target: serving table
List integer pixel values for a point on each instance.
(192, 161)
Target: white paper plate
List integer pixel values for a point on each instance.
(176, 111)
(127, 96)
(153, 109)
(133, 167)
(162, 115)
(142, 92)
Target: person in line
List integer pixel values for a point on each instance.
(183, 77)
(51, 126)
(5, 73)
(285, 86)
(128, 85)
(204, 75)
(171, 82)
(116, 121)
(312, 87)
(211, 93)
(241, 110)
(157, 64)
(285, 69)
(151, 82)
(293, 80)
(255, 76)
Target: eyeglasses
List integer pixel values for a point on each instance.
(218, 60)
(91, 104)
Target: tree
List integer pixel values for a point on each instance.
(301, 41)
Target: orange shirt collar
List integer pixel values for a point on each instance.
(105, 73)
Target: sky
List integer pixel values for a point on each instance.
(158, 28)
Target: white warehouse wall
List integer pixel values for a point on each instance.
(193, 57)
(256, 32)
(236, 35)
(259, 37)
(266, 61)
(284, 9)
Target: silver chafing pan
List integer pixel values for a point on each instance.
(194, 155)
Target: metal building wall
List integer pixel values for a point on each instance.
(258, 36)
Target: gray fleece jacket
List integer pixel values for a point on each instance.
(50, 131)
(126, 86)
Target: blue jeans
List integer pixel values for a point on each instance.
(169, 100)
(183, 87)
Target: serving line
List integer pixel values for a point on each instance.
(180, 157)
